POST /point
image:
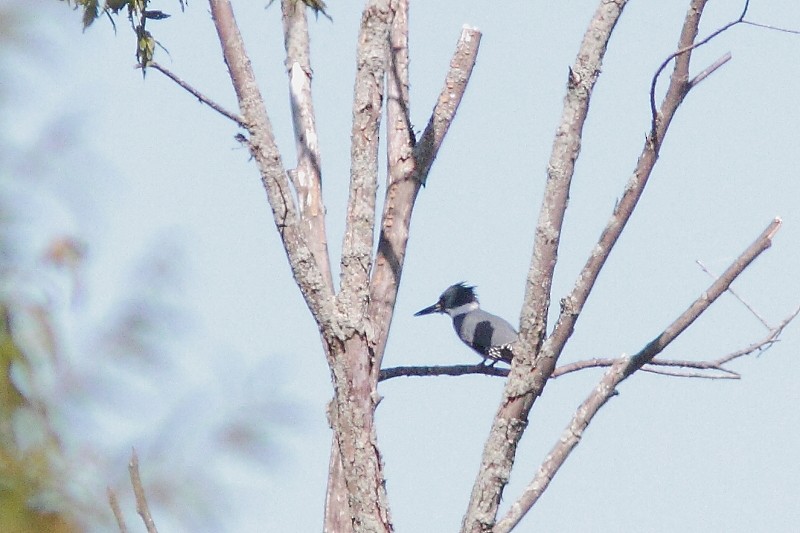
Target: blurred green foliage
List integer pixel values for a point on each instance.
(27, 446)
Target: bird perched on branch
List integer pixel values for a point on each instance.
(487, 334)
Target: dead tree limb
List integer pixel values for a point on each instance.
(619, 371)
(311, 281)
(138, 491)
(238, 119)
(307, 175)
(511, 418)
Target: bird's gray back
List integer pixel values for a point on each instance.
(482, 330)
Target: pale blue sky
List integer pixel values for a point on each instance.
(165, 175)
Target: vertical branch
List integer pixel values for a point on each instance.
(307, 176)
(352, 412)
(511, 418)
(401, 190)
(318, 295)
(138, 491)
(371, 61)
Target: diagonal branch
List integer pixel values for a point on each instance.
(736, 295)
(573, 304)
(655, 347)
(138, 491)
(619, 371)
(449, 99)
(318, 295)
(409, 164)
(511, 418)
(307, 176)
(115, 508)
(197, 94)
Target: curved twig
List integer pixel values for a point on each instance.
(682, 51)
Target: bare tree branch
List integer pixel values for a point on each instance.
(573, 304)
(371, 64)
(307, 181)
(307, 176)
(197, 94)
(114, 503)
(451, 370)
(644, 356)
(620, 370)
(726, 374)
(350, 342)
(511, 418)
(769, 27)
(717, 364)
(449, 99)
(409, 164)
(401, 190)
(686, 46)
(138, 491)
(709, 70)
(312, 282)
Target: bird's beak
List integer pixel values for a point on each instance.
(435, 308)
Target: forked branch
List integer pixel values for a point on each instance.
(520, 391)
(310, 279)
(410, 162)
(619, 371)
(307, 175)
(676, 92)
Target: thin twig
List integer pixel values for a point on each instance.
(238, 119)
(736, 295)
(114, 503)
(728, 374)
(709, 70)
(681, 51)
(765, 343)
(769, 27)
(138, 491)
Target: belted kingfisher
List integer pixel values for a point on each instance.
(487, 334)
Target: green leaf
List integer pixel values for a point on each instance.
(91, 11)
